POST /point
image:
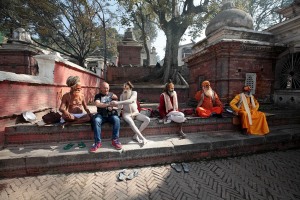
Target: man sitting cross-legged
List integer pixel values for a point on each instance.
(73, 104)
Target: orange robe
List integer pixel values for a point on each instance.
(259, 123)
(208, 106)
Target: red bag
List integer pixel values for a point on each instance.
(138, 105)
(188, 111)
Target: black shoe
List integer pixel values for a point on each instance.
(244, 131)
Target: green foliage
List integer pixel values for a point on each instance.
(263, 12)
(70, 27)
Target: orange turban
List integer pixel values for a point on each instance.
(205, 83)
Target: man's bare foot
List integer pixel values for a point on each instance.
(136, 138)
(182, 134)
(144, 142)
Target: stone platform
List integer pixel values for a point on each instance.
(32, 150)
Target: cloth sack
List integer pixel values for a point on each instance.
(51, 117)
(176, 116)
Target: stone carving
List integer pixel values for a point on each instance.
(289, 82)
(21, 35)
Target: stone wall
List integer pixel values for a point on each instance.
(22, 92)
(150, 93)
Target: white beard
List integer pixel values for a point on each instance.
(209, 92)
(127, 94)
(171, 93)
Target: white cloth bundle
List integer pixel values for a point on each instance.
(176, 116)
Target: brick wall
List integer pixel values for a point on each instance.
(129, 55)
(151, 93)
(19, 62)
(20, 93)
(119, 75)
(225, 65)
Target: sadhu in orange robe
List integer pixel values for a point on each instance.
(255, 123)
(209, 105)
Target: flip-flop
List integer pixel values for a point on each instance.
(122, 175)
(176, 167)
(81, 145)
(185, 167)
(133, 174)
(68, 146)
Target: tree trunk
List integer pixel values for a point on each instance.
(173, 34)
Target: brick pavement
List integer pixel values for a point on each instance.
(272, 175)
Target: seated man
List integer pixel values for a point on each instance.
(209, 103)
(106, 112)
(168, 107)
(246, 107)
(130, 112)
(73, 103)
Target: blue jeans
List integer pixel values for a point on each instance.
(98, 120)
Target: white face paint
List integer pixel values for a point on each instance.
(127, 92)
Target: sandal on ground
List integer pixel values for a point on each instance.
(185, 167)
(122, 175)
(68, 146)
(81, 145)
(133, 174)
(176, 167)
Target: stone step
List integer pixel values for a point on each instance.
(36, 159)
(29, 134)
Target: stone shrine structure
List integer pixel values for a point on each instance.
(17, 54)
(232, 55)
(129, 50)
(287, 72)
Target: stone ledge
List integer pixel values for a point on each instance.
(28, 133)
(51, 158)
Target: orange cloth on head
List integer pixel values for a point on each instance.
(259, 123)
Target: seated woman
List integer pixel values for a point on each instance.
(73, 104)
(130, 112)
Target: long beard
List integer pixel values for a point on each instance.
(127, 94)
(209, 92)
(171, 93)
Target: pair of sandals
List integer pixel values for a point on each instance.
(123, 176)
(70, 145)
(179, 167)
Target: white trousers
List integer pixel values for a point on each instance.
(146, 120)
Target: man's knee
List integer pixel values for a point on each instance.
(115, 119)
(97, 120)
(147, 120)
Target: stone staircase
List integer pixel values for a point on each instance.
(34, 150)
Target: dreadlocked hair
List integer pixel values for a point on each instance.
(72, 81)
(129, 84)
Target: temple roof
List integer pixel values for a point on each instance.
(230, 17)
